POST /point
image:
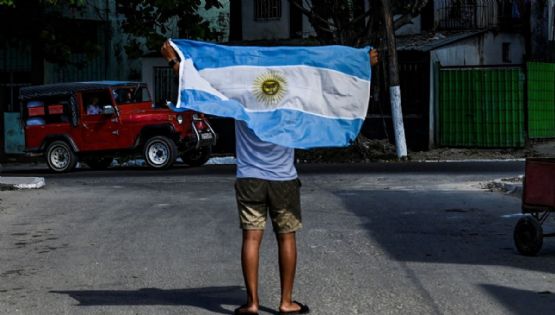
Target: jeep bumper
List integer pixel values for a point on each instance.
(201, 138)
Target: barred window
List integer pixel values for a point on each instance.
(265, 10)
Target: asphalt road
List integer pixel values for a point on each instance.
(385, 238)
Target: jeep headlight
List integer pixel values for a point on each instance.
(180, 119)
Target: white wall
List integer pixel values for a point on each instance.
(414, 27)
(486, 49)
(273, 29)
(213, 16)
(147, 71)
(308, 30)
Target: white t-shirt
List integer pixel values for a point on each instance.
(260, 159)
(94, 110)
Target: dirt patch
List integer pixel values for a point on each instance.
(363, 150)
(372, 150)
(510, 186)
(445, 154)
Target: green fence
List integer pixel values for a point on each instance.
(541, 100)
(481, 107)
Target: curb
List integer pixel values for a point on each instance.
(15, 183)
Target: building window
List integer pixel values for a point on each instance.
(265, 10)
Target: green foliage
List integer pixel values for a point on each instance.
(41, 24)
(12, 3)
(151, 19)
(351, 22)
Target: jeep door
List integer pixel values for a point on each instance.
(100, 131)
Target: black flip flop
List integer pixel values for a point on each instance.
(304, 310)
(238, 312)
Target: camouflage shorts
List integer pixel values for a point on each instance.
(256, 197)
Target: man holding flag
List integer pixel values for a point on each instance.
(281, 98)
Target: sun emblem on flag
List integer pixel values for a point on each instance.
(270, 87)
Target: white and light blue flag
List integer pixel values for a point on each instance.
(298, 97)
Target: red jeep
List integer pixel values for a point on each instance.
(94, 122)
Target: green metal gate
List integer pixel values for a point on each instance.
(541, 100)
(481, 107)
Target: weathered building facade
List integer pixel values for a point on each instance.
(26, 60)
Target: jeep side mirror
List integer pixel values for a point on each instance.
(108, 110)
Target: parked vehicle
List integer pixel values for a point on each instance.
(94, 122)
(538, 202)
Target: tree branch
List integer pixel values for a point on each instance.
(414, 11)
(311, 15)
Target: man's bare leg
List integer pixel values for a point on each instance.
(287, 247)
(249, 261)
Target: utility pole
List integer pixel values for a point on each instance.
(394, 85)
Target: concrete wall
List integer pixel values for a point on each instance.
(486, 49)
(147, 71)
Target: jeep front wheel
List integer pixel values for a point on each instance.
(60, 157)
(160, 152)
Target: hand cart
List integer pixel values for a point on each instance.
(538, 201)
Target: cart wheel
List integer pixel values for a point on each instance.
(528, 236)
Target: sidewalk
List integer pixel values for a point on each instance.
(374, 151)
(15, 183)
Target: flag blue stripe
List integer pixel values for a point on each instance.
(286, 127)
(351, 61)
(304, 131)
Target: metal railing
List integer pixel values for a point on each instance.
(476, 14)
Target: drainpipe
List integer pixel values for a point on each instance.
(107, 39)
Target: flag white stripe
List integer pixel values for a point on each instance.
(331, 93)
(191, 79)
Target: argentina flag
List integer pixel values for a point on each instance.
(298, 97)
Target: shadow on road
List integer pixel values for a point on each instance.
(210, 298)
(523, 301)
(455, 227)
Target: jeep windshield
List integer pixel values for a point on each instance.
(129, 95)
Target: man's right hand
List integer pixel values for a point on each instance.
(374, 57)
(170, 54)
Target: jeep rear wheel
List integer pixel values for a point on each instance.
(197, 157)
(160, 152)
(60, 157)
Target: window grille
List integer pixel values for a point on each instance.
(477, 14)
(165, 86)
(265, 10)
